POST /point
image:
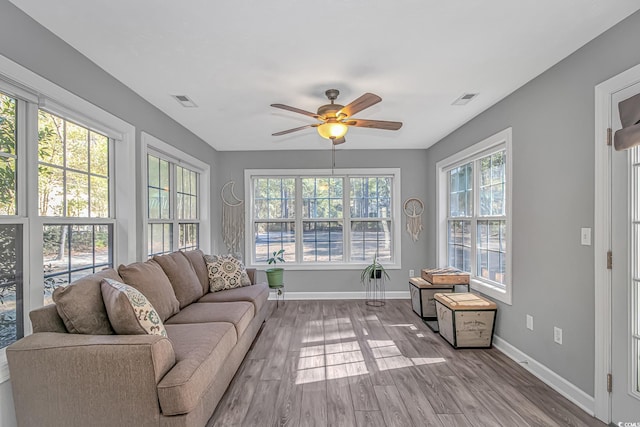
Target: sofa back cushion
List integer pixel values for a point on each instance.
(130, 312)
(197, 262)
(149, 278)
(81, 307)
(182, 276)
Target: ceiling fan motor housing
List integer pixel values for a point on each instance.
(329, 110)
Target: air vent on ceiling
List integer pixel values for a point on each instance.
(464, 99)
(185, 101)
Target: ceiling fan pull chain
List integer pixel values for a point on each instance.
(333, 158)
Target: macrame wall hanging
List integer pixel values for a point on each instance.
(232, 219)
(413, 208)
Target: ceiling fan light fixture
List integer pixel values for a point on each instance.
(332, 130)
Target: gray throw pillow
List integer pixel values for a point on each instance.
(130, 312)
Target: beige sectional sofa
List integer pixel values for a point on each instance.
(75, 371)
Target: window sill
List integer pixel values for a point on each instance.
(494, 292)
(321, 266)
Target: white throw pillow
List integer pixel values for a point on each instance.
(225, 272)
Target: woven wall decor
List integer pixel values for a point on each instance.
(232, 218)
(413, 208)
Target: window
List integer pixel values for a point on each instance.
(11, 229)
(73, 169)
(11, 233)
(8, 155)
(474, 214)
(58, 160)
(322, 218)
(173, 205)
(11, 286)
(73, 182)
(176, 191)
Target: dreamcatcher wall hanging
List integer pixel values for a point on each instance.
(413, 208)
(232, 218)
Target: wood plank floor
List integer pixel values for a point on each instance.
(342, 363)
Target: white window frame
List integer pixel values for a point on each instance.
(35, 91)
(499, 141)
(396, 220)
(157, 147)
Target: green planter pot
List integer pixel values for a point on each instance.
(275, 277)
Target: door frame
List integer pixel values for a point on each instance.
(602, 236)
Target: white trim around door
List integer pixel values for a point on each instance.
(602, 236)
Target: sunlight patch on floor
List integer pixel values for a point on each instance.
(333, 360)
(330, 361)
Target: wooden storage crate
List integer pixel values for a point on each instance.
(466, 320)
(445, 276)
(422, 300)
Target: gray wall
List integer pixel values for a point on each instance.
(232, 166)
(553, 197)
(29, 44)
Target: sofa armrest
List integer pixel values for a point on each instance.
(251, 272)
(56, 377)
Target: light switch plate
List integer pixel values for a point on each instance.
(530, 322)
(557, 335)
(585, 236)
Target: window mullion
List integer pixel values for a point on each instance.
(33, 281)
(298, 220)
(22, 157)
(346, 214)
(173, 208)
(64, 170)
(475, 212)
(112, 185)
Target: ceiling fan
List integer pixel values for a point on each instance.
(335, 119)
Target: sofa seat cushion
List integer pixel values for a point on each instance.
(256, 294)
(81, 307)
(239, 313)
(200, 351)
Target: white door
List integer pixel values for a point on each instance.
(625, 278)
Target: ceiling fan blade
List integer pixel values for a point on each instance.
(297, 110)
(375, 124)
(365, 101)
(338, 141)
(284, 132)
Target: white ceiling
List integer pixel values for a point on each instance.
(234, 58)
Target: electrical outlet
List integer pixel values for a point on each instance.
(412, 273)
(585, 236)
(529, 322)
(557, 335)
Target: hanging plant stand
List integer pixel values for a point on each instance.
(375, 289)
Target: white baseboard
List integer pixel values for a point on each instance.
(547, 376)
(337, 295)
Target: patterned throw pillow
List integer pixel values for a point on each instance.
(129, 311)
(225, 272)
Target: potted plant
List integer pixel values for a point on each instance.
(373, 277)
(373, 271)
(275, 274)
